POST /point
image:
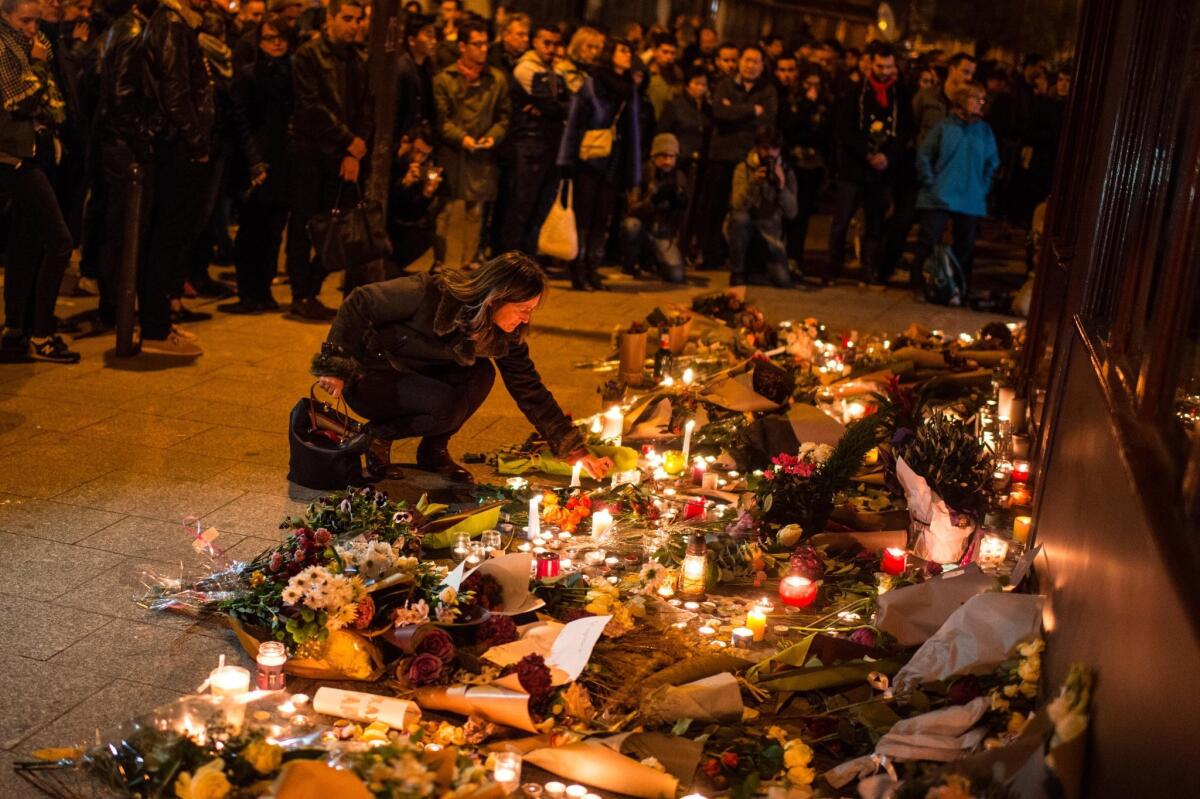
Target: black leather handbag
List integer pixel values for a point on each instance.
(348, 237)
(327, 447)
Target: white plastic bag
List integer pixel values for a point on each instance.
(558, 237)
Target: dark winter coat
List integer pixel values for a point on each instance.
(595, 106)
(121, 116)
(414, 94)
(691, 123)
(333, 104)
(734, 118)
(262, 92)
(412, 323)
(856, 114)
(176, 78)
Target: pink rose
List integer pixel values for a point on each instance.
(439, 644)
(424, 669)
(322, 537)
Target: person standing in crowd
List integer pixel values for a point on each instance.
(540, 100)
(473, 114)
(121, 138)
(740, 105)
(263, 95)
(39, 246)
(511, 45)
(871, 129)
(764, 195)
(583, 51)
(689, 118)
(413, 197)
(930, 107)
(665, 76)
(183, 107)
(725, 64)
(804, 122)
(450, 17)
(608, 101)
(655, 214)
(703, 51)
(73, 69)
(249, 15)
(414, 81)
(1041, 137)
(955, 163)
(330, 129)
(772, 49)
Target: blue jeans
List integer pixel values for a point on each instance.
(636, 237)
(743, 232)
(965, 229)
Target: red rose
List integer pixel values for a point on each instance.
(424, 669)
(364, 613)
(439, 644)
(322, 537)
(729, 760)
(712, 768)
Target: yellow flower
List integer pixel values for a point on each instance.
(263, 757)
(1028, 689)
(207, 782)
(998, 702)
(797, 754)
(778, 734)
(449, 735)
(801, 775)
(876, 126)
(1010, 691)
(1030, 669)
(1016, 723)
(1032, 648)
(349, 654)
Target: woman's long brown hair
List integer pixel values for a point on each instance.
(510, 277)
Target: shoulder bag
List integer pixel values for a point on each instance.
(598, 143)
(348, 237)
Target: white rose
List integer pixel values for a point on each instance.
(789, 535)
(448, 595)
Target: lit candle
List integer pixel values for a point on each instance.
(524, 546)
(475, 553)
(1020, 471)
(597, 425)
(566, 563)
(555, 790)
(1019, 495)
(506, 770)
(1021, 525)
(576, 470)
(742, 637)
(272, 655)
(852, 411)
(894, 560)
(612, 561)
(797, 591)
(691, 606)
(462, 546)
(667, 381)
(992, 551)
(688, 376)
(516, 483)
(602, 520)
(695, 568)
(535, 521)
(699, 469)
(694, 509)
(491, 540)
(756, 619)
(614, 423)
(707, 630)
(564, 536)
(1005, 396)
(666, 591)
(594, 557)
(688, 427)
(710, 481)
(576, 791)
(231, 683)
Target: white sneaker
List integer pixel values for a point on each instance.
(174, 344)
(186, 335)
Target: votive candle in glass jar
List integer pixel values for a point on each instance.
(506, 770)
(797, 591)
(547, 565)
(269, 676)
(894, 561)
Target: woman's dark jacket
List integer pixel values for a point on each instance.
(604, 95)
(411, 323)
(262, 93)
(177, 79)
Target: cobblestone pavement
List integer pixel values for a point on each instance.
(100, 462)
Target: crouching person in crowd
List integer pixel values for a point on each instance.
(414, 193)
(955, 164)
(764, 195)
(657, 210)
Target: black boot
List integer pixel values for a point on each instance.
(578, 275)
(433, 456)
(379, 462)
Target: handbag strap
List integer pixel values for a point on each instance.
(339, 407)
(617, 118)
(337, 199)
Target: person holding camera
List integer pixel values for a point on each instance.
(764, 195)
(411, 205)
(657, 209)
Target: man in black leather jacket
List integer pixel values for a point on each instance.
(120, 138)
(182, 107)
(330, 130)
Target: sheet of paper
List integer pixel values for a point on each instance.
(454, 579)
(536, 638)
(574, 645)
(1021, 570)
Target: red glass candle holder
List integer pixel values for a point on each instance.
(1020, 472)
(694, 509)
(547, 565)
(894, 561)
(797, 591)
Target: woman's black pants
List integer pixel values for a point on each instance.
(433, 403)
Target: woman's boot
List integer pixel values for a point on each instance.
(379, 461)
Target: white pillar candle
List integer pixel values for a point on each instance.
(535, 521)
(688, 427)
(688, 376)
(614, 423)
(576, 471)
(602, 520)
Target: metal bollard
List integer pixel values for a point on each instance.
(130, 252)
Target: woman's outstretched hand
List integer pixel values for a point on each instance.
(332, 385)
(598, 468)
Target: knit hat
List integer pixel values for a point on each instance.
(664, 143)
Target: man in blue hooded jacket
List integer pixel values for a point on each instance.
(955, 164)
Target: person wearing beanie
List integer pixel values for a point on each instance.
(657, 209)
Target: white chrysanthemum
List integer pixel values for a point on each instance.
(292, 596)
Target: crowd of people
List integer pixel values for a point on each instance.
(679, 151)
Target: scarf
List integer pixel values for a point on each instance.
(17, 81)
(881, 90)
(469, 71)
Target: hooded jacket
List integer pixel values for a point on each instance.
(177, 79)
(955, 164)
(412, 322)
(544, 93)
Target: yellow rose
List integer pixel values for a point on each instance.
(801, 775)
(1030, 669)
(876, 126)
(263, 757)
(1016, 723)
(796, 754)
(1028, 689)
(207, 782)
(778, 734)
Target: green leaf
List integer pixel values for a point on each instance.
(876, 717)
(815, 679)
(747, 788)
(794, 655)
(681, 727)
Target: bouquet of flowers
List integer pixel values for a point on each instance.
(801, 488)
(951, 458)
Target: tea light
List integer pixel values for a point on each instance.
(516, 484)
(992, 550)
(271, 657)
(706, 630)
(695, 796)
(576, 791)
(612, 561)
(475, 553)
(591, 796)
(1020, 471)
(1021, 526)
(524, 546)
(535, 519)
(547, 565)
(538, 550)
(533, 791)
(667, 590)
(576, 470)
(756, 619)
(614, 423)
(491, 540)
(709, 481)
(506, 770)
(433, 747)
(894, 561)
(566, 564)
(853, 411)
(742, 637)
(1019, 496)
(462, 546)
(230, 683)
(555, 790)
(564, 536)
(691, 605)
(602, 520)
(594, 557)
(797, 591)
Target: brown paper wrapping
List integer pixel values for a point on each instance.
(491, 702)
(679, 336)
(633, 358)
(408, 637)
(597, 765)
(312, 779)
(320, 669)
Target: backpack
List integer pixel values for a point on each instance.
(943, 278)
